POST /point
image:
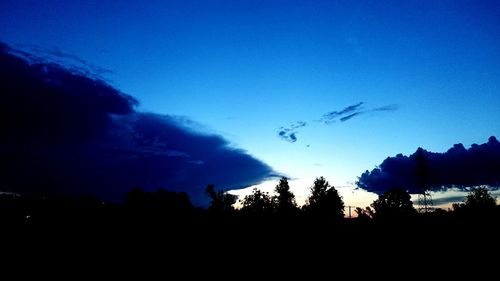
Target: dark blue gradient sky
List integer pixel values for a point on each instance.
(246, 70)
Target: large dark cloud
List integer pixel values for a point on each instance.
(458, 167)
(63, 133)
(39, 54)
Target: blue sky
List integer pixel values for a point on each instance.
(244, 69)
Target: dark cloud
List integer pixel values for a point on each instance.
(332, 116)
(390, 107)
(38, 54)
(459, 167)
(289, 134)
(67, 134)
(345, 118)
(353, 111)
(447, 200)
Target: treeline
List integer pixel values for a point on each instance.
(323, 202)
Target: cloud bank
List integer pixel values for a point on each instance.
(458, 167)
(65, 133)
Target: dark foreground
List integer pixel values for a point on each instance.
(85, 236)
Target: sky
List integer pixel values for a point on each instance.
(307, 88)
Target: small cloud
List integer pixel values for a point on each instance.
(345, 118)
(390, 107)
(352, 111)
(299, 124)
(287, 135)
(332, 116)
(290, 134)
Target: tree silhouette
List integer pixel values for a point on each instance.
(221, 200)
(364, 214)
(394, 203)
(258, 203)
(324, 199)
(479, 199)
(285, 199)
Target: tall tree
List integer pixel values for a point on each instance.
(285, 199)
(324, 199)
(479, 199)
(394, 203)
